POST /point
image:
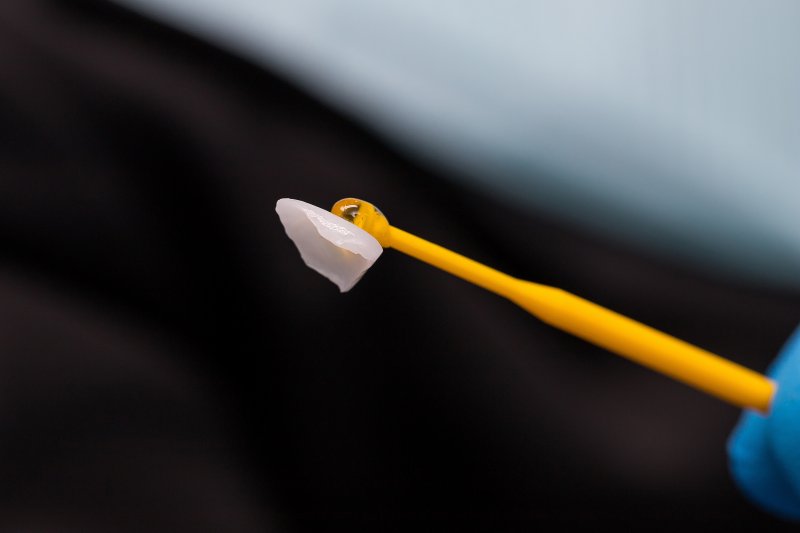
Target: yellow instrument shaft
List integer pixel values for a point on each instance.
(640, 343)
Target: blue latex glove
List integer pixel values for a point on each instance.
(764, 451)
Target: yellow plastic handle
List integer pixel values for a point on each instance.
(640, 343)
(631, 339)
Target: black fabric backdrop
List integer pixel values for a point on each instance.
(168, 364)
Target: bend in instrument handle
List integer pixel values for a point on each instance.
(631, 339)
(647, 346)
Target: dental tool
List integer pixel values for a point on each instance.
(343, 243)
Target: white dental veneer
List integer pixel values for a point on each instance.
(334, 247)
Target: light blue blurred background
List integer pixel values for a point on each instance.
(672, 125)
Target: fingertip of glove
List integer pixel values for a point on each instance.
(762, 450)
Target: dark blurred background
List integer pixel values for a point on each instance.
(168, 364)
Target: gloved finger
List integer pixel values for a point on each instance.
(756, 469)
(784, 420)
(763, 450)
